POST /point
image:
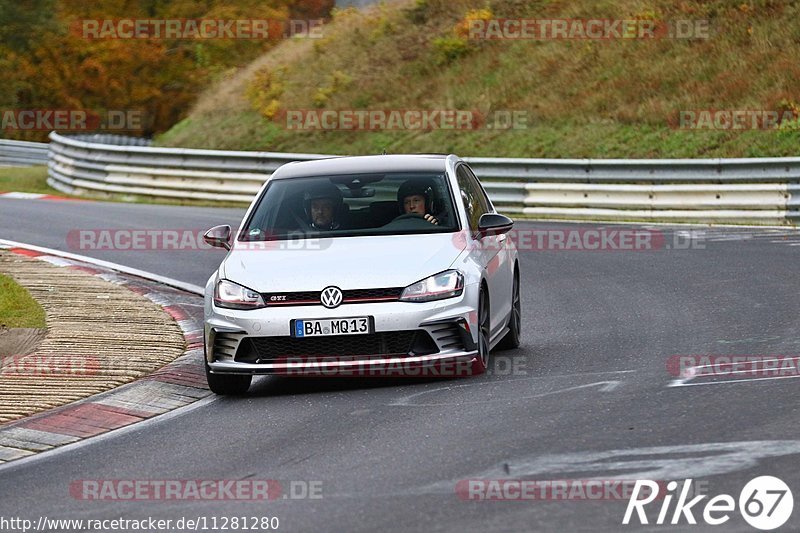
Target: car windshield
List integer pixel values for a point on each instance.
(353, 205)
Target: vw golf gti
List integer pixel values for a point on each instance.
(355, 265)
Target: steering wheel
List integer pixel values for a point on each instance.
(440, 219)
(431, 219)
(407, 216)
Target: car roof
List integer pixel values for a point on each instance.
(363, 165)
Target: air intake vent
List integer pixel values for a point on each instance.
(448, 337)
(225, 344)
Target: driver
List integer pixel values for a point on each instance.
(323, 204)
(416, 197)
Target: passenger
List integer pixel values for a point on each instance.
(416, 197)
(323, 205)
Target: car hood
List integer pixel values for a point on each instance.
(346, 262)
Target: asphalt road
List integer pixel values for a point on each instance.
(589, 396)
(58, 225)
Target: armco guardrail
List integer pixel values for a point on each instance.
(682, 190)
(110, 138)
(22, 153)
(77, 166)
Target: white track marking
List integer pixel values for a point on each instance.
(683, 382)
(406, 401)
(693, 373)
(23, 195)
(188, 287)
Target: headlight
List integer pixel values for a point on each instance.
(438, 287)
(230, 295)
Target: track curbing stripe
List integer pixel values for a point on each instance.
(177, 385)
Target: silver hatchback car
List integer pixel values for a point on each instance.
(362, 266)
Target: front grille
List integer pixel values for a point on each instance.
(397, 343)
(349, 296)
(372, 294)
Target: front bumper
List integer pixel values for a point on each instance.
(450, 364)
(226, 330)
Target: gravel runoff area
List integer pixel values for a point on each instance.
(99, 336)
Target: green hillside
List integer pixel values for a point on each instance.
(581, 98)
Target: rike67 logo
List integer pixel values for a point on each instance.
(766, 503)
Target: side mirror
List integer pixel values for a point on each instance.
(218, 237)
(494, 224)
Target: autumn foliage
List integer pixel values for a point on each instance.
(49, 65)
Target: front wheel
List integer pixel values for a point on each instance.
(481, 363)
(227, 384)
(512, 338)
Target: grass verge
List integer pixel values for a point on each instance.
(616, 98)
(25, 179)
(17, 308)
(34, 180)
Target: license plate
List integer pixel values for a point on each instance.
(332, 326)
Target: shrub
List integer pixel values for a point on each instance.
(265, 90)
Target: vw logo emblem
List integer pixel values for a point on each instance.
(331, 297)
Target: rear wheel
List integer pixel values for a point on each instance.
(227, 384)
(482, 361)
(512, 338)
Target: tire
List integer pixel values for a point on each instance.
(227, 384)
(514, 335)
(481, 363)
